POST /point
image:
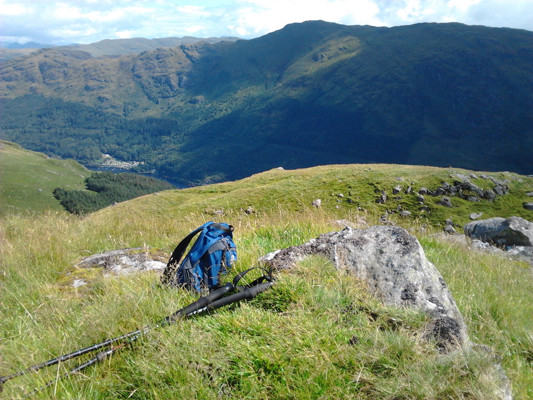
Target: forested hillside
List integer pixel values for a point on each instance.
(105, 189)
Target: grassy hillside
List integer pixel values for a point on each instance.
(316, 334)
(352, 188)
(27, 179)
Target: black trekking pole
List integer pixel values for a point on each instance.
(245, 294)
(212, 301)
(99, 357)
(202, 302)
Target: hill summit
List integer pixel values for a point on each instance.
(311, 93)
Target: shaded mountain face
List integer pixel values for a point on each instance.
(311, 93)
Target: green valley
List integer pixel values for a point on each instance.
(314, 128)
(32, 183)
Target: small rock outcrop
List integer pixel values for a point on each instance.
(382, 199)
(449, 227)
(393, 264)
(474, 216)
(465, 189)
(250, 210)
(125, 261)
(445, 201)
(502, 232)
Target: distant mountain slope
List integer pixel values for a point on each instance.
(118, 47)
(309, 94)
(14, 50)
(8, 54)
(27, 179)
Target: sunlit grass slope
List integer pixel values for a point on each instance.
(27, 179)
(342, 189)
(316, 334)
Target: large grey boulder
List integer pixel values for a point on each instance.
(503, 232)
(393, 264)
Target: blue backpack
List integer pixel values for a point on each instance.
(211, 255)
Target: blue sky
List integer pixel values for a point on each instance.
(88, 21)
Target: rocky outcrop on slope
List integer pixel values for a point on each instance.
(502, 232)
(511, 237)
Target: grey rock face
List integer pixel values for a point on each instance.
(393, 264)
(513, 231)
(396, 270)
(445, 201)
(450, 229)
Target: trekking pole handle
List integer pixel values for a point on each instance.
(245, 294)
(255, 290)
(200, 304)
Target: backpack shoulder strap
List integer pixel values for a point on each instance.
(178, 253)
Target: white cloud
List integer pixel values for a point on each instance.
(72, 32)
(194, 28)
(66, 12)
(118, 14)
(193, 10)
(255, 17)
(13, 10)
(463, 5)
(124, 34)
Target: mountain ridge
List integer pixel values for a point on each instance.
(107, 47)
(311, 93)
